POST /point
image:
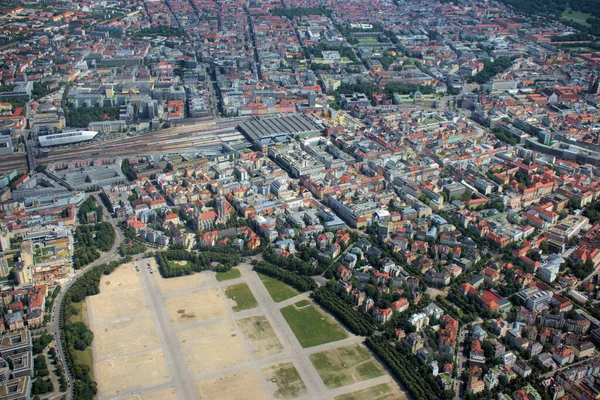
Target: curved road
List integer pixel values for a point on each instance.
(53, 326)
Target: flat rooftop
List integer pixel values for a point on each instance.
(259, 128)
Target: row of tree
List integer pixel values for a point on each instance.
(317, 51)
(301, 283)
(58, 370)
(91, 239)
(292, 263)
(404, 366)
(491, 69)
(80, 117)
(130, 247)
(89, 205)
(356, 321)
(203, 261)
(300, 11)
(128, 170)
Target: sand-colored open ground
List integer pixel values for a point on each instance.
(243, 385)
(167, 394)
(285, 380)
(158, 339)
(174, 285)
(211, 348)
(117, 304)
(262, 336)
(196, 306)
(124, 336)
(136, 370)
(122, 278)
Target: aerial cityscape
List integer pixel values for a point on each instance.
(300, 199)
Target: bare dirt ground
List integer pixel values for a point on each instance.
(116, 304)
(433, 292)
(125, 341)
(136, 370)
(261, 334)
(124, 336)
(211, 348)
(196, 306)
(178, 338)
(167, 394)
(174, 285)
(121, 278)
(244, 385)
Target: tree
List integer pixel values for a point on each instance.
(128, 170)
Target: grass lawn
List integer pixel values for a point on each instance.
(233, 273)
(346, 365)
(278, 290)
(179, 264)
(85, 357)
(82, 314)
(368, 41)
(384, 391)
(311, 326)
(242, 295)
(576, 16)
(288, 381)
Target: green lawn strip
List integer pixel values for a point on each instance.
(576, 16)
(302, 303)
(346, 365)
(278, 290)
(81, 315)
(85, 357)
(233, 273)
(242, 295)
(311, 326)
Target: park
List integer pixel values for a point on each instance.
(230, 335)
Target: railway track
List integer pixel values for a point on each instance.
(172, 140)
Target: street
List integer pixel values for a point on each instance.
(53, 326)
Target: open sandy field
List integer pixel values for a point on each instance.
(196, 306)
(124, 336)
(116, 305)
(132, 371)
(261, 334)
(122, 278)
(182, 337)
(243, 385)
(174, 285)
(167, 394)
(285, 380)
(211, 348)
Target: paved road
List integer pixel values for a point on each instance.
(584, 361)
(461, 360)
(181, 377)
(53, 326)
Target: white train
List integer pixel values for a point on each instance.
(66, 138)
